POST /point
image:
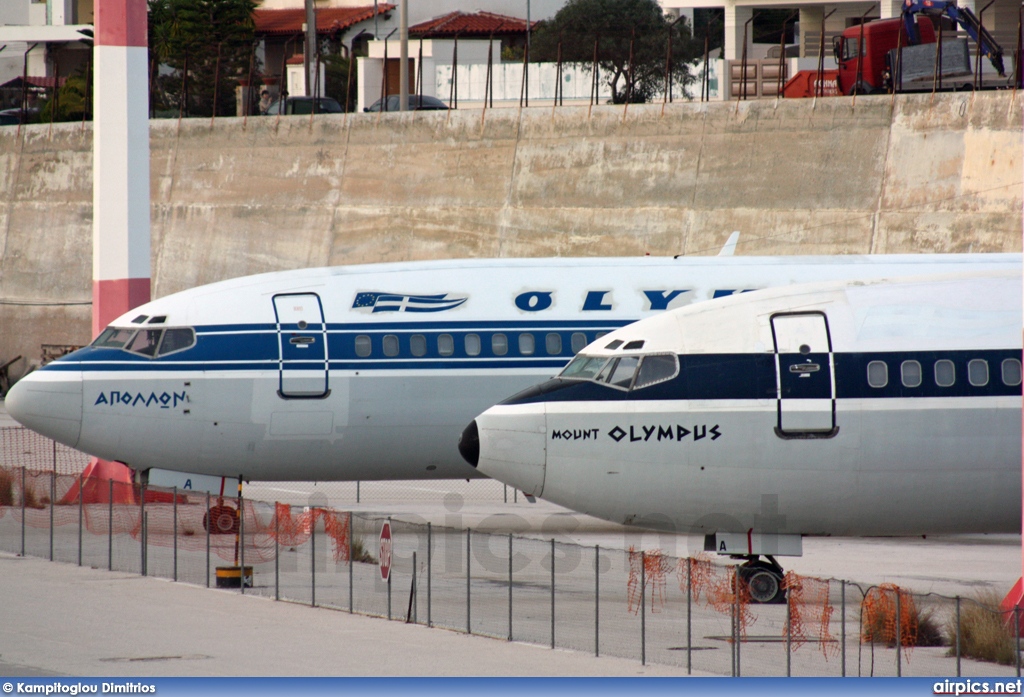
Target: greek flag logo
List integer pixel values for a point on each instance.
(398, 302)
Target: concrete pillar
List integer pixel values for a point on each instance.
(735, 17)
(120, 190)
(810, 31)
(892, 8)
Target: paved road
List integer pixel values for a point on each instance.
(59, 619)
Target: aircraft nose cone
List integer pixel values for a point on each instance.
(469, 444)
(49, 403)
(511, 446)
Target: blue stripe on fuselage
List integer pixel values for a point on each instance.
(750, 376)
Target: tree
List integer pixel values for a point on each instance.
(199, 48)
(614, 25)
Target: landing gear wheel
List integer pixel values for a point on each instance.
(221, 520)
(764, 580)
(763, 586)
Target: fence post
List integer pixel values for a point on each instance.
(391, 571)
(842, 623)
(958, 636)
(732, 619)
(351, 566)
(209, 522)
(510, 586)
(789, 635)
(469, 606)
(643, 609)
(739, 622)
(241, 535)
(357, 493)
(110, 525)
(597, 600)
(277, 552)
(23, 510)
(413, 605)
(81, 504)
(145, 539)
(689, 616)
(53, 494)
(142, 530)
(312, 562)
(174, 511)
(899, 635)
(552, 592)
(1016, 634)
(430, 558)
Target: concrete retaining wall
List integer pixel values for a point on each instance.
(938, 174)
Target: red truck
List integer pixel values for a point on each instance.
(910, 57)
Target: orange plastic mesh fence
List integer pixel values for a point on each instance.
(810, 612)
(33, 492)
(879, 611)
(656, 566)
(20, 447)
(717, 585)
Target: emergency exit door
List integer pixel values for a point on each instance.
(804, 375)
(302, 345)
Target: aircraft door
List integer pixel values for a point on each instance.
(302, 345)
(805, 378)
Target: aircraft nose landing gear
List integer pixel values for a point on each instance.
(763, 578)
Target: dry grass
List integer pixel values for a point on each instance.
(6, 488)
(923, 629)
(360, 553)
(983, 634)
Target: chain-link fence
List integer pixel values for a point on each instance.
(643, 605)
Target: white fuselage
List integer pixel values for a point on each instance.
(371, 372)
(864, 409)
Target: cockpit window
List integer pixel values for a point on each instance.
(621, 374)
(655, 369)
(114, 337)
(627, 372)
(177, 340)
(145, 342)
(583, 368)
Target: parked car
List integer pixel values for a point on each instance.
(12, 117)
(417, 102)
(304, 105)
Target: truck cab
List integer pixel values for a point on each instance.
(862, 66)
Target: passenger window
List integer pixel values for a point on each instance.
(945, 373)
(390, 345)
(601, 335)
(583, 368)
(445, 344)
(620, 371)
(418, 345)
(977, 372)
(1011, 372)
(655, 369)
(499, 344)
(553, 344)
(114, 337)
(527, 344)
(579, 341)
(177, 340)
(910, 372)
(363, 345)
(472, 344)
(145, 342)
(878, 374)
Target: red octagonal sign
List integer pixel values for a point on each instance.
(385, 550)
